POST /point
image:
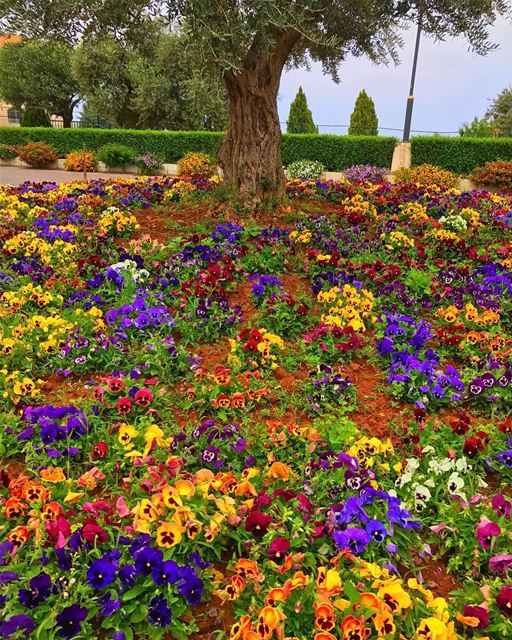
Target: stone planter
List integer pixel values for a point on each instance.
(170, 169)
(332, 175)
(46, 167)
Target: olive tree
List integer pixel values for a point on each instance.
(251, 41)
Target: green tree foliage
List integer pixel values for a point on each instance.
(38, 74)
(35, 117)
(477, 128)
(500, 112)
(158, 86)
(364, 121)
(250, 42)
(100, 67)
(300, 119)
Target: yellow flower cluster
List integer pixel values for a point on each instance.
(414, 211)
(152, 434)
(397, 240)
(201, 504)
(12, 209)
(367, 450)
(49, 332)
(11, 301)
(265, 347)
(471, 314)
(178, 190)
(444, 235)
(304, 237)
(17, 385)
(357, 204)
(114, 220)
(29, 244)
(471, 215)
(351, 307)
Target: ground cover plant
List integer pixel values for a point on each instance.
(296, 425)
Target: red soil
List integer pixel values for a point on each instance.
(67, 390)
(375, 412)
(241, 295)
(437, 578)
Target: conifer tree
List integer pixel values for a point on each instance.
(300, 119)
(364, 121)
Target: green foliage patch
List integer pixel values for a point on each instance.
(460, 155)
(334, 152)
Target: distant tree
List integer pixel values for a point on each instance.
(477, 128)
(364, 121)
(173, 90)
(500, 112)
(35, 117)
(38, 74)
(161, 85)
(300, 119)
(101, 68)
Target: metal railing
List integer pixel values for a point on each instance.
(339, 129)
(96, 123)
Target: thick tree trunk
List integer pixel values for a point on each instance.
(250, 155)
(67, 119)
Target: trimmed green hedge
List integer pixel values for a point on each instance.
(171, 145)
(338, 152)
(460, 155)
(334, 152)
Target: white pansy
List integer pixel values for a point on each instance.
(413, 464)
(455, 483)
(440, 466)
(462, 465)
(422, 493)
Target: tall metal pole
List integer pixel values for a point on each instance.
(410, 97)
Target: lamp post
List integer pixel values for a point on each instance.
(410, 97)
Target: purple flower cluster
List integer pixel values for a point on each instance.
(412, 365)
(326, 387)
(265, 285)
(58, 429)
(354, 510)
(365, 173)
(211, 442)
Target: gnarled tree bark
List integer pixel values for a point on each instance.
(250, 155)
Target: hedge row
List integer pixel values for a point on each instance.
(338, 152)
(460, 155)
(334, 152)
(171, 145)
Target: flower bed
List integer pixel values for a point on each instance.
(304, 426)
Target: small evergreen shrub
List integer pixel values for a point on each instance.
(81, 161)
(37, 154)
(8, 152)
(300, 119)
(305, 170)
(495, 174)
(364, 121)
(196, 164)
(116, 155)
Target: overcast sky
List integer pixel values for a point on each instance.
(452, 85)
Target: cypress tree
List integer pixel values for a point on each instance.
(300, 119)
(364, 121)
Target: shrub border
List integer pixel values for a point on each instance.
(334, 152)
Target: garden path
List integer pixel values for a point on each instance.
(18, 175)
